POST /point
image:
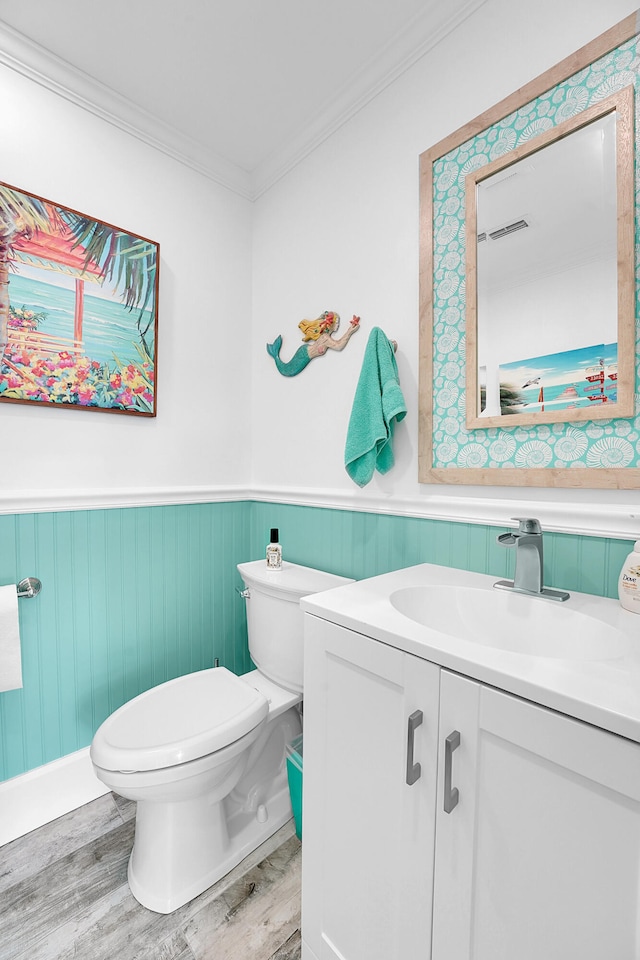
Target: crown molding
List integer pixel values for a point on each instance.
(404, 50)
(33, 61)
(29, 59)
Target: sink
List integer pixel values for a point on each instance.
(519, 624)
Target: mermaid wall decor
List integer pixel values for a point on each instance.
(319, 333)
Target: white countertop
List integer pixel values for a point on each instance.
(605, 693)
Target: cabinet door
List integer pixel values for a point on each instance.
(367, 834)
(540, 858)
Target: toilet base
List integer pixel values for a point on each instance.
(163, 877)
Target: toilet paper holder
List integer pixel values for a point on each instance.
(29, 587)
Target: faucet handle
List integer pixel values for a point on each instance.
(528, 525)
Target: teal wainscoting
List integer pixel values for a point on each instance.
(130, 598)
(365, 544)
(133, 597)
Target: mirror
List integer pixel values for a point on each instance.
(481, 321)
(548, 336)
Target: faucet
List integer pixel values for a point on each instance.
(527, 577)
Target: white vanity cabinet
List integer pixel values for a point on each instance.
(368, 834)
(536, 817)
(540, 859)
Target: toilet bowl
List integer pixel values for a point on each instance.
(204, 754)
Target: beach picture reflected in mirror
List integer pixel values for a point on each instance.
(570, 380)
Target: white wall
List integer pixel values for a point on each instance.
(57, 150)
(341, 232)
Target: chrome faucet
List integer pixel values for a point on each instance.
(527, 577)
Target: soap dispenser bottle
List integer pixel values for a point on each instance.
(274, 551)
(629, 581)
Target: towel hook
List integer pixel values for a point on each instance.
(29, 587)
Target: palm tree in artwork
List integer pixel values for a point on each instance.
(127, 260)
(20, 217)
(108, 254)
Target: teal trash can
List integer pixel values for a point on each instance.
(294, 774)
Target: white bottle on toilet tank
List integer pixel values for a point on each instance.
(274, 551)
(629, 581)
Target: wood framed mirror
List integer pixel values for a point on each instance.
(527, 283)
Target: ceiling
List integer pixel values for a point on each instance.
(242, 89)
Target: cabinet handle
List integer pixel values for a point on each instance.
(413, 769)
(451, 795)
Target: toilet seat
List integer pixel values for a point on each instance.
(178, 721)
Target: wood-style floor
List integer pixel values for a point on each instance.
(64, 894)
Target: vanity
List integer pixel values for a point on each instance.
(472, 773)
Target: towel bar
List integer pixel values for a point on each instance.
(29, 587)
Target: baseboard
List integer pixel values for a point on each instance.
(46, 793)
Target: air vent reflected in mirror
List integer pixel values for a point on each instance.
(509, 229)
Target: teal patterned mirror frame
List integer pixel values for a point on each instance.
(588, 454)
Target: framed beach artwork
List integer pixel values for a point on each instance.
(78, 309)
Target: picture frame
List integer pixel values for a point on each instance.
(78, 309)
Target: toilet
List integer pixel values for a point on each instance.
(204, 754)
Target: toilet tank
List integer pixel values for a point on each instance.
(274, 617)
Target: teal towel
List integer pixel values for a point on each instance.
(377, 406)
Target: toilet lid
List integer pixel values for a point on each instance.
(177, 721)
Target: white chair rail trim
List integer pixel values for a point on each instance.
(580, 515)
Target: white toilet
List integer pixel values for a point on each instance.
(204, 754)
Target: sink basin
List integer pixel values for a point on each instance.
(504, 621)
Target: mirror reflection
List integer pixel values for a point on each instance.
(543, 314)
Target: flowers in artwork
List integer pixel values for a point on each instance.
(22, 319)
(67, 377)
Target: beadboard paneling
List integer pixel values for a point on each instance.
(366, 544)
(130, 598)
(135, 596)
